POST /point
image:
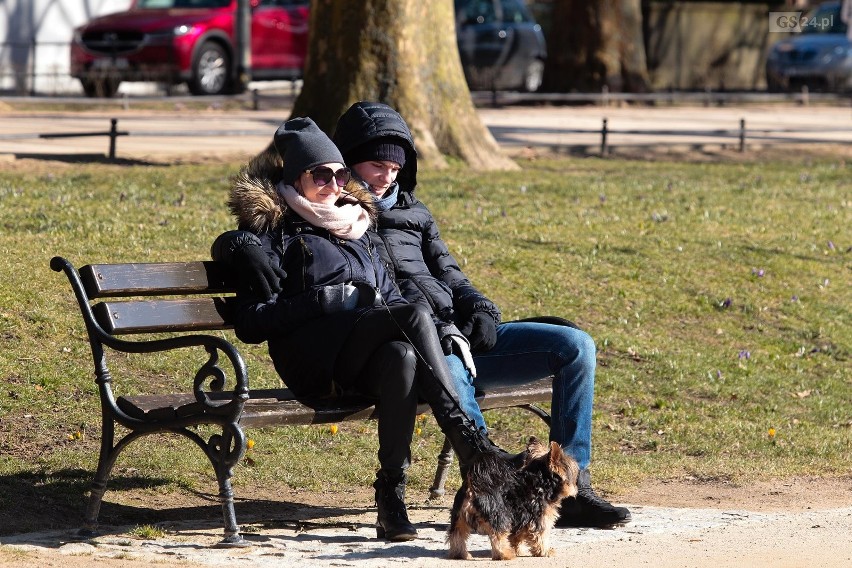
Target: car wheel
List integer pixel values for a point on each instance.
(533, 75)
(100, 88)
(210, 71)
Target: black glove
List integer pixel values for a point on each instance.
(258, 274)
(481, 331)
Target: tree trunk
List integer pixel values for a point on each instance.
(402, 53)
(596, 44)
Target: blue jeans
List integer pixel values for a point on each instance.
(526, 352)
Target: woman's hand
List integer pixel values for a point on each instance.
(453, 342)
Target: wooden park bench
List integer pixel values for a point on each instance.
(176, 301)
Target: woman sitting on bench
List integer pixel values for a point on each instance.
(339, 324)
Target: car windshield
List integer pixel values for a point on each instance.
(824, 20)
(160, 4)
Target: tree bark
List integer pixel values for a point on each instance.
(402, 53)
(598, 44)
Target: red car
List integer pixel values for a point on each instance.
(189, 41)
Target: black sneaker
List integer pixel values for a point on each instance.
(588, 509)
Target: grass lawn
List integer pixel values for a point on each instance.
(718, 294)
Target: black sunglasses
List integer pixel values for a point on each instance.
(322, 175)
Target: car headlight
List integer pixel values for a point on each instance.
(182, 30)
(836, 54)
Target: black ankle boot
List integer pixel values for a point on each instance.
(588, 509)
(392, 523)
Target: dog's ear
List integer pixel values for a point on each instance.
(556, 454)
(536, 449)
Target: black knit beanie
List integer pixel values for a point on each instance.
(386, 148)
(302, 146)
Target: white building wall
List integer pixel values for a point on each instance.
(34, 39)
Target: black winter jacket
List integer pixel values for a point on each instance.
(407, 236)
(303, 341)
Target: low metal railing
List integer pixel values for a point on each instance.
(739, 136)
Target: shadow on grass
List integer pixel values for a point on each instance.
(38, 502)
(86, 159)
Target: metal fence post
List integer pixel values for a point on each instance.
(113, 134)
(604, 149)
(34, 48)
(742, 135)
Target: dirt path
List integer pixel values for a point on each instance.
(798, 523)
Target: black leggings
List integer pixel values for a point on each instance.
(380, 359)
(388, 376)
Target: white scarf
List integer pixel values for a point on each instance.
(348, 221)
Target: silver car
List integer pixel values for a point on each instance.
(819, 57)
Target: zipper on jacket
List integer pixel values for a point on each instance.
(306, 253)
(337, 242)
(375, 272)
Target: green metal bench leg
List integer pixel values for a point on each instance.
(225, 452)
(106, 461)
(445, 460)
(538, 412)
(98, 487)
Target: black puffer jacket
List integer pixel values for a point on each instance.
(303, 340)
(407, 236)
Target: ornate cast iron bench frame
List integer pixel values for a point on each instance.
(180, 300)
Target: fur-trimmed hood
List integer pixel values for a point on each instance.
(256, 203)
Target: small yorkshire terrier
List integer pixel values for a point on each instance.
(512, 505)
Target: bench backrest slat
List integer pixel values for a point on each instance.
(164, 315)
(156, 279)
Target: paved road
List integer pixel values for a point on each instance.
(577, 129)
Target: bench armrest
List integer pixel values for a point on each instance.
(210, 375)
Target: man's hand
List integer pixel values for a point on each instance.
(257, 273)
(481, 330)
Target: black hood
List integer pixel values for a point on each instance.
(365, 121)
